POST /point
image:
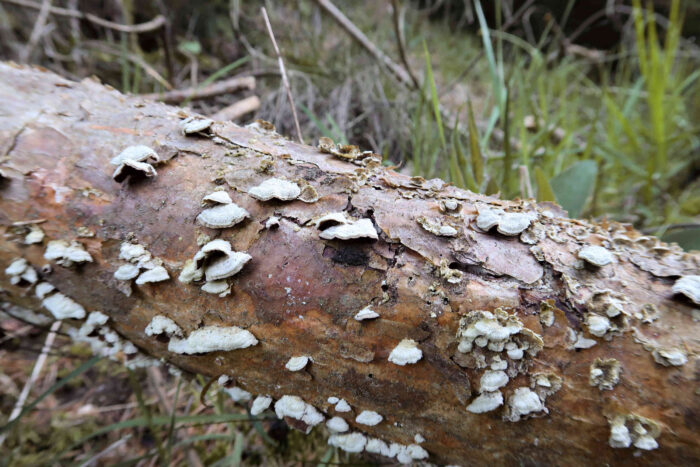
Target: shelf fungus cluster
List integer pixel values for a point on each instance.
(506, 223)
(216, 262)
(141, 265)
(224, 212)
(134, 161)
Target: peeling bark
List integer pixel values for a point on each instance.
(528, 354)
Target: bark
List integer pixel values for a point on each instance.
(299, 293)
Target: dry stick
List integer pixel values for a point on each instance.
(360, 37)
(238, 109)
(398, 30)
(36, 31)
(283, 71)
(151, 25)
(525, 185)
(134, 58)
(38, 366)
(221, 87)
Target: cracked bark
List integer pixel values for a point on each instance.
(299, 293)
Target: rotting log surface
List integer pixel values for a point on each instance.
(299, 293)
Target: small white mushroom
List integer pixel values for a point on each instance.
(126, 272)
(66, 254)
(524, 402)
(226, 266)
(488, 218)
(619, 434)
(369, 418)
(190, 273)
(493, 380)
(362, 228)
(277, 188)
(260, 404)
(157, 274)
(405, 352)
(596, 255)
(418, 438)
(332, 400)
(297, 363)
(673, 356)
(222, 216)
(35, 235)
(597, 325)
(688, 286)
(351, 442)
(211, 339)
(162, 324)
(237, 394)
(331, 219)
(62, 307)
(486, 402)
(337, 424)
(133, 252)
(437, 228)
(130, 167)
(220, 288)
(272, 222)
(513, 223)
(342, 406)
(295, 407)
(138, 153)
(366, 313)
(17, 267)
(193, 125)
(217, 197)
(42, 289)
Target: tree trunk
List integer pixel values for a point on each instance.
(491, 347)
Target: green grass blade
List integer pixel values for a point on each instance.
(219, 73)
(54, 387)
(434, 96)
(475, 150)
(325, 460)
(544, 189)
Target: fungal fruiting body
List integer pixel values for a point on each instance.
(337, 424)
(596, 255)
(225, 214)
(523, 402)
(507, 223)
(295, 407)
(406, 352)
(212, 339)
(126, 272)
(163, 325)
(42, 289)
(157, 274)
(351, 442)
(688, 286)
(486, 402)
(66, 254)
(237, 394)
(362, 228)
(20, 270)
(131, 167)
(194, 125)
(35, 235)
(672, 356)
(218, 260)
(276, 188)
(138, 153)
(260, 404)
(437, 228)
(220, 288)
(297, 363)
(604, 373)
(366, 313)
(342, 406)
(62, 307)
(369, 417)
(628, 430)
(493, 380)
(217, 197)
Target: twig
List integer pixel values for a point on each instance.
(398, 31)
(398, 71)
(283, 71)
(237, 109)
(525, 185)
(221, 87)
(39, 24)
(38, 366)
(151, 25)
(115, 445)
(134, 58)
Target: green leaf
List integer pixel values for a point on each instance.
(688, 237)
(574, 186)
(544, 189)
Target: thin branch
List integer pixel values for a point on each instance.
(215, 89)
(283, 71)
(151, 25)
(398, 71)
(400, 41)
(38, 366)
(134, 58)
(238, 109)
(36, 31)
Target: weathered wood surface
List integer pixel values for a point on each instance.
(299, 293)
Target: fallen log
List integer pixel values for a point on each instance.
(459, 327)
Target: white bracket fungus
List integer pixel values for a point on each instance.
(486, 402)
(190, 272)
(688, 286)
(219, 260)
(162, 324)
(66, 254)
(62, 307)
(297, 363)
(220, 288)
(523, 402)
(498, 331)
(260, 404)
(133, 252)
(126, 272)
(130, 167)
(351, 442)
(193, 125)
(20, 270)
(628, 430)
(237, 394)
(362, 228)
(342, 406)
(337, 425)
(217, 197)
(277, 188)
(42, 289)
(596, 255)
(369, 418)
(35, 235)
(666, 357)
(366, 313)
(437, 228)
(157, 274)
(405, 352)
(222, 216)
(272, 222)
(212, 339)
(604, 373)
(331, 219)
(507, 223)
(295, 407)
(138, 153)
(493, 380)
